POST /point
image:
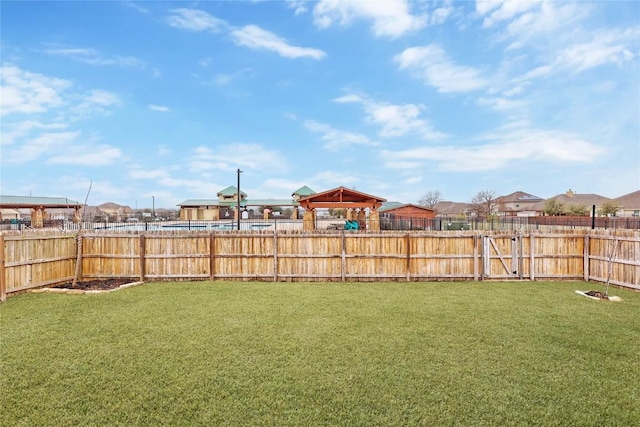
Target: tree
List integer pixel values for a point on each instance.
(430, 199)
(484, 203)
(337, 212)
(553, 207)
(577, 210)
(608, 209)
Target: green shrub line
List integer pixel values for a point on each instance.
(302, 354)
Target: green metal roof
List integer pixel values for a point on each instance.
(304, 191)
(230, 191)
(245, 202)
(28, 201)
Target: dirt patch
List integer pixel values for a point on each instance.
(95, 285)
(597, 294)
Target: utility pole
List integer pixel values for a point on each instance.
(238, 195)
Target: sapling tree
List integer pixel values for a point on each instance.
(484, 203)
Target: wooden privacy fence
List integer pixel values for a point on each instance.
(30, 261)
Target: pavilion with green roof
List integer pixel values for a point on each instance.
(39, 205)
(226, 204)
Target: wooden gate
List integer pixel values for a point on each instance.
(502, 257)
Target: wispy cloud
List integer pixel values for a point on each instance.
(431, 64)
(605, 47)
(395, 120)
(336, 139)
(94, 155)
(195, 20)
(95, 57)
(254, 37)
(505, 148)
(391, 18)
(159, 108)
(26, 92)
(250, 36)
(231, 156)
(94, 102)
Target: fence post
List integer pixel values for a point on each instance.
(532, 265)
(142, 258)
(585, 268)
(275, 256)
(344, 260)
(408, 266)
(3, 280)
(475, 257)
(212, 256)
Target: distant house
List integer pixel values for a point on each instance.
(447, 209)
(629, 204)
(572, 198)
(115, 211)
(518, 204)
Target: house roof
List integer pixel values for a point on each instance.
(35, 202)
(389, 208)
(629, 201)
(389, 205)
(518, 196)
(571, 198)
(451, 208)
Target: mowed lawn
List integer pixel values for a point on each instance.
(310, 354)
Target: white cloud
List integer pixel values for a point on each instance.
(504, 10)
(395, 120)
(94, 102)
(42, 145)
(26, 92)
(299, 6)
(18, 130)
(605, 47)
(336, 139)
(505, 148)
(94, 57)
(229, 157)
(254, 37)
(87, 155)
(195, 20)
(391, 18)
(160, 108)
(431, 64)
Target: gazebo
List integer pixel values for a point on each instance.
(38, 206)
(353, 201)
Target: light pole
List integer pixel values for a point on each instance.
(153, 208)
(238, 195)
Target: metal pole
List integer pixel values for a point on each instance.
(153, 208)
(238, 195)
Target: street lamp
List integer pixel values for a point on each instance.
(238, 195)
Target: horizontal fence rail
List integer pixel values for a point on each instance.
(31, 260)
(386, 222)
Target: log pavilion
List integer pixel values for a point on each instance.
(354, 202)
(38, 206)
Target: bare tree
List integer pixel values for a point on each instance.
(484, 203)
(430, 199)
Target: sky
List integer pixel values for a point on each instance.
(149, 102)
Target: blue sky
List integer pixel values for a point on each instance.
(166, 100)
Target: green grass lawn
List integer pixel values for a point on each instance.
(296, 354)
